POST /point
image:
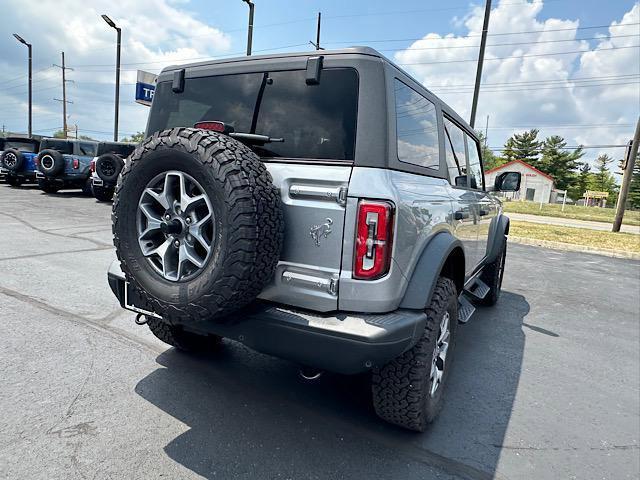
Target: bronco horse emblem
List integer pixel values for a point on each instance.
(318, 231)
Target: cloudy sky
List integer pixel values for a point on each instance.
(570, 67)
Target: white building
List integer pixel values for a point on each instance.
(536, 186)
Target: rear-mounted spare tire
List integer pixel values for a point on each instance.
(197, 224)
(50, 162)
(12, 159)
(108, 167)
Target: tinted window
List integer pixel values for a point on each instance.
(122, 149)
(86, 149)
(475, 167)
(416, 128)
(455, 153)
(22, 146)
(63, 146)
(316, 121)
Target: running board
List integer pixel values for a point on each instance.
(465, 309)
(478, 290)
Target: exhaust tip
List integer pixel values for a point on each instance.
(310, 374)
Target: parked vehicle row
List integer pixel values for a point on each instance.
(56, 164)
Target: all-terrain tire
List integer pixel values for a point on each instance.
(401, 388)
(50, 162)
(14, 181)
(12, 159)
(247, 212)
(109, 166)
(492, 276)
(102, 194)
(47, 186)
(181, 339)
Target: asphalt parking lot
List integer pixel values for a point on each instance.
(546, 384)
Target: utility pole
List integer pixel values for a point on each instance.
(28, 45)
(483, 44)
(64, 95)
(250, 34)
(317, 44)
(486, 132)
(626, 179)
(118, 47)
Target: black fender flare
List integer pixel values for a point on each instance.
(498, 229)
(433, 260)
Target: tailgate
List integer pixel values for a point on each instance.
(313, 202)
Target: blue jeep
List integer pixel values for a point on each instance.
(17, 161)
(65, 164)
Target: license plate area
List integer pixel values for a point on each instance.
(133, 302)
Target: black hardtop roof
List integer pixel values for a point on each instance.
(20, 138)
(368, 51)
(356, 50)
(105, 143)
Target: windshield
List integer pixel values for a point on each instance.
(316, 121)
(21, 146)
(122, 149)
(63, 146)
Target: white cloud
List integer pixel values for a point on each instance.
(155, 33)
(561, 101)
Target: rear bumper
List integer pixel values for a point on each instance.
(341, 342)
(64, 178)
(23, 174)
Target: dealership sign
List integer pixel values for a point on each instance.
(145, 87)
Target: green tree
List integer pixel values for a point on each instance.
(581, 183)
(603, 180)
(135, 138)
(558, 162)
(489, 159)
(634, 187)
(523, 146)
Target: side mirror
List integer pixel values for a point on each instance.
(508, 182)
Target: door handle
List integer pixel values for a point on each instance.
(460, 215)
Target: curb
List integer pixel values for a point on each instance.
(570, 247)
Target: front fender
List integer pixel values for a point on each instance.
(429, 267)
(498, 229)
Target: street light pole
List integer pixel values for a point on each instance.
(250, 34)
(118, 48)
(24, 42)
(483, 44)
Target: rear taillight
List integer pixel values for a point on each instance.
(92, 167)
(76, 163)
(373, 239)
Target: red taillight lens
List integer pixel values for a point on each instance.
(214, 126)
(373, 239)
(76, 163)
(92, 167)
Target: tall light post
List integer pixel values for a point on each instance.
(119, 32)
(24, 42)
(250, 35)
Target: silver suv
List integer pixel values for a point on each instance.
(327, 209)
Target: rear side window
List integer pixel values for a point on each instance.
(416, 128)
(86, 149)
(21, 146)
(123, 150)
(315, 121)
(63, 146)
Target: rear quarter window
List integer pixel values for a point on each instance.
(315, 121)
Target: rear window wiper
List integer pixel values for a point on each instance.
(255, 138)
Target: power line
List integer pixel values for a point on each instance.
(410, 49)
(576, 79)
(355, 42)
(520, 56)
(502, 90)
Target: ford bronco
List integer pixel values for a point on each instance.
(17, 161)
(65, 164)
(106, 167)
(324, 208)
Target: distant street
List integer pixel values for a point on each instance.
(568, 222)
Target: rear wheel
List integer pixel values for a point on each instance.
(102, 194)
(47, 187)
(14, 181)
(186, 341)
(492, 276)
(409, 390)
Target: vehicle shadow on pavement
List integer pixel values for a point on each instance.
(250, 416)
